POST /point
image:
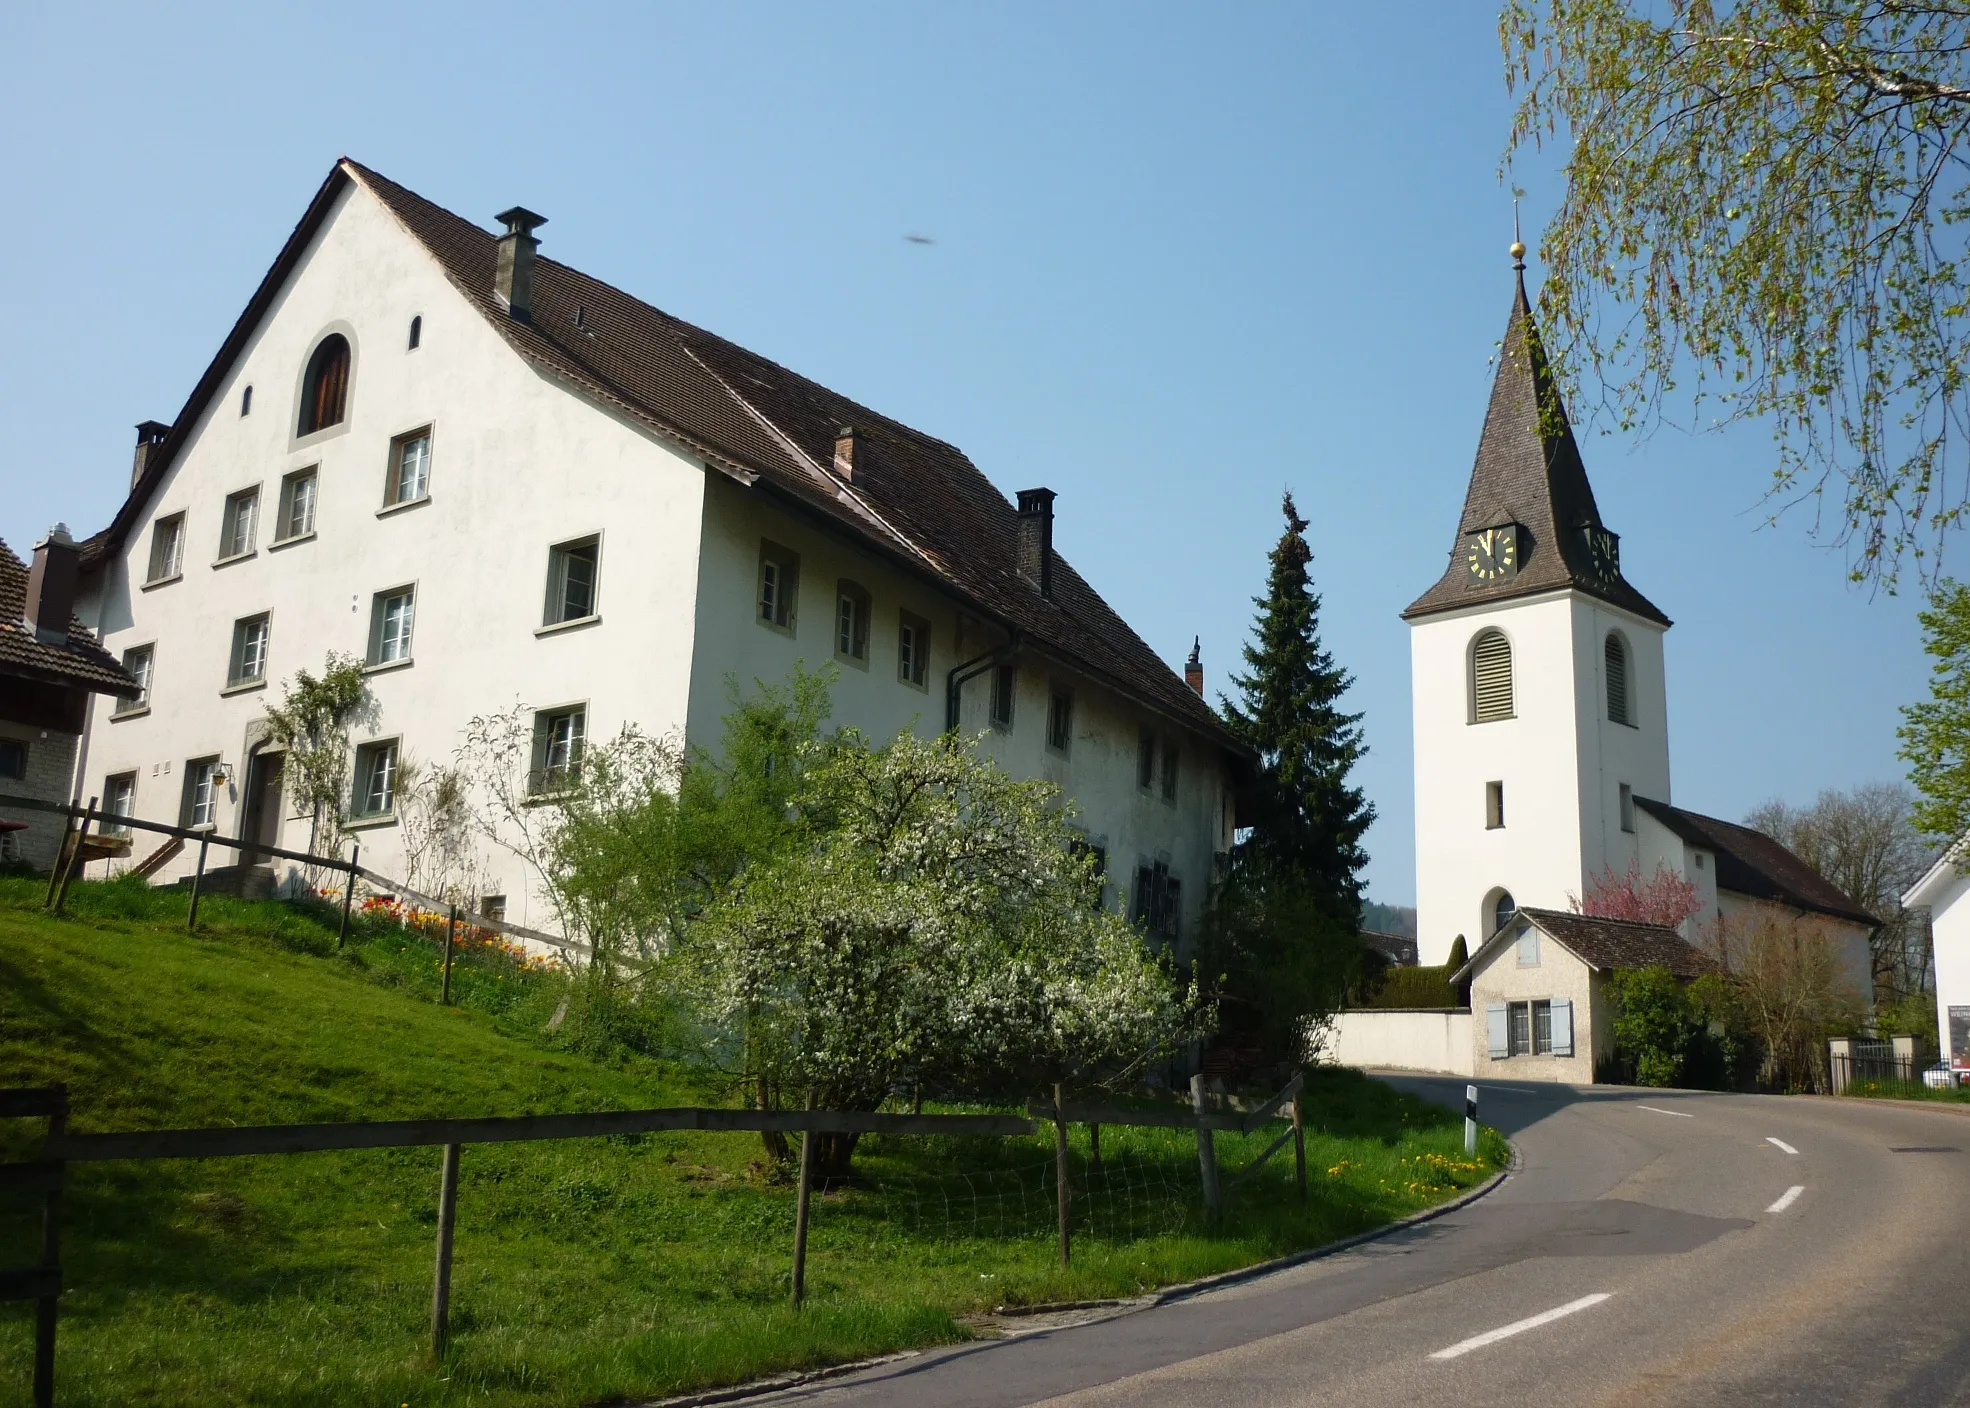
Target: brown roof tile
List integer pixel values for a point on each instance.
(1603, 944)
(78, 661)
(1751, 863)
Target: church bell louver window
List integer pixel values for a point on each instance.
(1491, 677)
(1617, 680)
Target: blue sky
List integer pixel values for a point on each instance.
(1185, 257)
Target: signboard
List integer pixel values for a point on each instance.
(1959, 1038)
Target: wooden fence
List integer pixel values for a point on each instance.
(43, 1283)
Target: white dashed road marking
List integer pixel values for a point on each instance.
(1519, 1327)
(1772, 1139)
(1787, 1198)
(1679, 1114)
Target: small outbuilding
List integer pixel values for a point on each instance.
(1538, 991)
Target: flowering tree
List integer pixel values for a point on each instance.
(312, 723)
(932, 925)
(1664, 898)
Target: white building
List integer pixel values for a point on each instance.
(497, 479)
(1942, 893)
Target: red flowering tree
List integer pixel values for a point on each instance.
(1664, 898)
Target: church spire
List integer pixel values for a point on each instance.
(1530, 485)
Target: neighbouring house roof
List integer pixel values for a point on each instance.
(1399, 949)
(1602, 944)
(1529, 472)
(78, 661)
(914, 498)
(1751, 863)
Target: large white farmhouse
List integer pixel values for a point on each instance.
(496, 479)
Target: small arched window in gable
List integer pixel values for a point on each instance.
(416, 332)
(1618, 707)
(246, 402)
(1491, 677)
(325, 390)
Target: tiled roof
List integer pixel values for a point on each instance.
(1752, 863)
(77, 661)
(1602, 944)
(916, 499)
(1529, 472)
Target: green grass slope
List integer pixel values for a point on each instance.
(586, 1270)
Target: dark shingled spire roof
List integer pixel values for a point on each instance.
(1528, 472)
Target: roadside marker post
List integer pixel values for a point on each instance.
(451, 934)
(1470, 1119)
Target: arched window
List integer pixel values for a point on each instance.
(1502, 910)
(325, 390)
(416, 332)
(1491, 677)
(1617, 680)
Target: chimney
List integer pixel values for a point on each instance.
(51, 585)
(1193, 668)
(150, 434)
(513, 279)
(845, 445)
(1036, 538)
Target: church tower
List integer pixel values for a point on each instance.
(1536, 672)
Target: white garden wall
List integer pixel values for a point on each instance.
(1404, 1039)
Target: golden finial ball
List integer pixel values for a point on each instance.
(1517, 251)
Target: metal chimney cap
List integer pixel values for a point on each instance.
(520, 220)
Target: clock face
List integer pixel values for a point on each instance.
(1604, 554)
(1493, 554)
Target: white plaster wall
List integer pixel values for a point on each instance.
(1950, 916)
(1611, 754)
(518, 463)
(1849, 939)
(1557, 974)
(1098, 771)
(1403, 1040)
(1662, 849)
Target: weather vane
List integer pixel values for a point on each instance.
(1518, 245)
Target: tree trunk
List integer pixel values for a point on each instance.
(776, 1143)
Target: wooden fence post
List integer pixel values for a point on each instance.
(61, 854)
(1061, 1192)
(800, 1209)
(451, 932)
(51, 1259)
(198, 880)
(348, 894)
(1207, 1154)
(1299, 1141)
(74, 857)
(441, 1284)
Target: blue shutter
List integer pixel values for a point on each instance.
(1495, 1022)
(1562, 1026)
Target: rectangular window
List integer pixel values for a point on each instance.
(410, 468)
(1627, 807)
(1157, 904)
(137, 660)
(1060, 719)
(1529, 948)
(391, 615)
(1169, 769)
(376, 778)
(779, 586)
(1005, 684)
(492, 907)
(167, 548)
(1145, 761)
(1494, 806)
(251, 636)
(119, 800)
(851, 623)
(913, 650)
(1542, 1029)
(13, 757)
(297, 505)
(571, 580)
(236, 528)
(1519, 1021)
(559, 735)
(201, 804)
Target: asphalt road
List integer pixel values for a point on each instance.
(1652, 1239)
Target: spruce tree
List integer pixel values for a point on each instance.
(1309, 821)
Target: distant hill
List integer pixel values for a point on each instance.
(1389, 919)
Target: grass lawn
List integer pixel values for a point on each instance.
(586, 1270)
(1874, 1089)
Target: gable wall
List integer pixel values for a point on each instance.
(518, 463)
(1559, 973)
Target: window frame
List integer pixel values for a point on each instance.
(1145, 761)
(415, 339)
(783, 612)
(201, 773)
(1172, 769)
(1494, 805)
(9, 743)
(1002, 707)
(130, 708)
(110, 807)
(1060, 718)
(1518, 1039)
(1525, 947)
(1625, 802)
(290, 484)
(229, 523)
(373, 658)
(544, 777)
(307, 425)
(394, 497)
(1480, 712)
(389, 748)
(912, 657)
(853, 608)
(235, 657)
(174, 523)
(554, 602)
(1612, 644)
